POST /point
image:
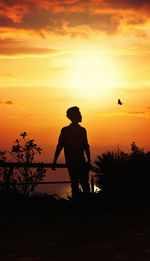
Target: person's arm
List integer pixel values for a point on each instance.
(87, 149)
(58, 150)
(57, 153)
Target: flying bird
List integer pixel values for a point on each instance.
(119, 102)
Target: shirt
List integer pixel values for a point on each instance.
(73, 139)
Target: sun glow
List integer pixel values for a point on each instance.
(93, 75)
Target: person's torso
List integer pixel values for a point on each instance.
(74, 139)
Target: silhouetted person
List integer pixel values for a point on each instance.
(73, 139)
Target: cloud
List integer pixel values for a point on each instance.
(56, 22)
(11, 47)
(129, 114)
(71, 3)
(9, 103)
(137, 112)
(26, 50)
(6, 74)
(100, 22)
(5, 21)
(128, 4)
(141, 34)
(17, 117)
(64, 16)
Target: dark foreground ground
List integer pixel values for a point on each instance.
(43, 231)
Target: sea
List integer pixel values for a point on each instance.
(62, 190)
(59, 190)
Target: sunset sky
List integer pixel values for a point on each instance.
(61, 53)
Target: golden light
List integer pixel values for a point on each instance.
(93, 75)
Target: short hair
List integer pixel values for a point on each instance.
(71, 111)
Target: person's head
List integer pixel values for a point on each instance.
(74, 114)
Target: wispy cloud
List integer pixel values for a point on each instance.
(11, 47)
(22, 116)
(144, 114)
(9, 103)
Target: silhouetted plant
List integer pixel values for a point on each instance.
(135, 150)
(3, 156)
(24, 151)
(6, 174)
(115, 169)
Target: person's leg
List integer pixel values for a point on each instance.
(84, 180)
(74, 178)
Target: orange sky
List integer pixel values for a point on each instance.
(61, 53)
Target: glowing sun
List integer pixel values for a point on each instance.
(93, 75)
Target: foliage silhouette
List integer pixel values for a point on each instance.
(24, 151)
(118, 170)
(6, 174)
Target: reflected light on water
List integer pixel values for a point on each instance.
(61, 190)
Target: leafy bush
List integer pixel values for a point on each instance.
(27, 178)
(5, 173)
(21, 180)
(117, 169)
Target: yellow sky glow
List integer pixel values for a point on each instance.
(57, 55)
